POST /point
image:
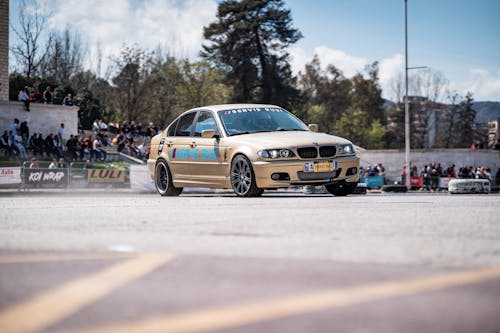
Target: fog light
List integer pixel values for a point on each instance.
(280, 176)
(351, 171)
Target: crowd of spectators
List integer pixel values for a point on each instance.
(29, 95)
(372, 171)
(17, 143)
(432, 173)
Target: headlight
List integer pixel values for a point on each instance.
(347, 149)
(276, 153)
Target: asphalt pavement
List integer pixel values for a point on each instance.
(211, 262)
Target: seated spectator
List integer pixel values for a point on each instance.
(18, 142)
(97, 150)
(5, 145)
(53, 164)
(50, 147)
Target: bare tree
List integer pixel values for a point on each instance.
(64, 57)
(28, 50)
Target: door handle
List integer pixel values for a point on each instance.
(169, 144)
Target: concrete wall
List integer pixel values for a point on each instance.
(4, 50)
(43, 118)
(394, 160)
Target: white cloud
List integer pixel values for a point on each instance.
(176, 25)
(389, 68)
(483, 84)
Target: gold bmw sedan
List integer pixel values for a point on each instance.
(249, 148)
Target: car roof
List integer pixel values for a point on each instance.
(222, 107)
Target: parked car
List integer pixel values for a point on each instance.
(249, 148)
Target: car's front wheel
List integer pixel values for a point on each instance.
(341, 189)
(243, 178)
(163, 180)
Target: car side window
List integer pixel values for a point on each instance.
(205, 121)
(185, 125)
(171, 129)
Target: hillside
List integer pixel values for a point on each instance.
(486, 111)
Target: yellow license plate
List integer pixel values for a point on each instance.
(323, 166)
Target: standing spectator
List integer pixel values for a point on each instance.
(62, 133)
(47, 95)
(71, 146)
(58, 147)
(23, 96)
(68, 100)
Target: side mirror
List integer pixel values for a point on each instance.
(313, 127)
(209, 134)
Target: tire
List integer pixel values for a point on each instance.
(163, 180)
(341, 189)
(243, 178)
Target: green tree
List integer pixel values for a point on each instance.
(376, 135)
(89, 108)
(465, 123)
(354, 126)
(248, 42)
(130, 93)
(328, 89)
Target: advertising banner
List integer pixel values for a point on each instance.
(10, 176)
(416, 181)
(444, 181)
(106, 176)
(46, 177)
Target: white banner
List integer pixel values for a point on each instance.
(10, 175)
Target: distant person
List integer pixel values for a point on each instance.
(68, 100)
(47, 95)
(18, 142)
(62, 133)
(24, 97)
(34, 163)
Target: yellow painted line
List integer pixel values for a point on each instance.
(47, 308)
(34, 258)
(259, 311)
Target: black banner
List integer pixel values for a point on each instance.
(46, 177)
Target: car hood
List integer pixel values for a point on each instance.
(288, 139)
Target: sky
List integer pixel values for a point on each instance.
(458, 38)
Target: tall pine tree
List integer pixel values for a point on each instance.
(248, 42)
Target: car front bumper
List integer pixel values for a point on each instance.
(283, 173)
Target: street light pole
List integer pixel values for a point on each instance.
(407, 105)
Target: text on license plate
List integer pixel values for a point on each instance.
(323, 166)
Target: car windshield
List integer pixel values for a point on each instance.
(254, 120)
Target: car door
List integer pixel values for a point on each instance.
(180, 149)
(207, 169)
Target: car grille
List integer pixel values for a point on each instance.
(307, 152)
(327, 151)
(318, 175)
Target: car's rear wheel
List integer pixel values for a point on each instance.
(163, 180)
(243, 178)
(341, 189)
